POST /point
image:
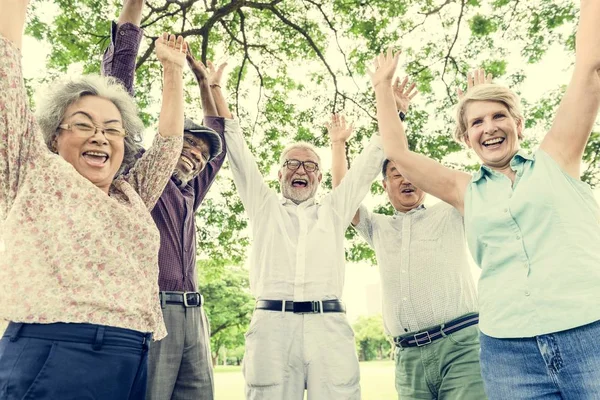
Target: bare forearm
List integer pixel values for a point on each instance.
(170, 122)
(132, 12)
(390, 127)
(208, 102)
(12, 20)
(339, 167)
(221, 103)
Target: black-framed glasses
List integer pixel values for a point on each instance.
(86, 130)
(309, 166)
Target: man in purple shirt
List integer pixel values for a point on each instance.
(180, 365)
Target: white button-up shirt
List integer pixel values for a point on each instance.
(298, 250)
(425, 273)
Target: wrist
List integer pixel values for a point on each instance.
(338, 143)
(215, 86)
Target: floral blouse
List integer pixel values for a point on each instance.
(69, 252)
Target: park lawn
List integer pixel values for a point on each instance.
(376, 381)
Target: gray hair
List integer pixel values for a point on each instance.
(62, 93)
(299, 145)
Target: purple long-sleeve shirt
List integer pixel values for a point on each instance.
(174, 213)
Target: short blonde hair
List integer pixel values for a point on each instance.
(299, 145)
(486, 92)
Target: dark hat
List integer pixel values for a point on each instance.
(216, 146)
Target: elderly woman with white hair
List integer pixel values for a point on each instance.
(532, 226)
(79, 269)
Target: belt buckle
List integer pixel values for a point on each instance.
(422, 335)
(185, 299)
(307, 307)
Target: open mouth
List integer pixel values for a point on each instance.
(493, 142)
(407, 190)
(188, 162)
(95, 158)
(299, 183)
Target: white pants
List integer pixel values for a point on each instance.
(287, 353)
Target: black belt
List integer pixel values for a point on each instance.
(301, 307)
(186, 299)
(431, 335)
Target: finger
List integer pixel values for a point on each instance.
(165, 37)
(396, 84)
(489, 78)
(180, 44)
(416, 92)
(343, 122)
(411, 88)
(404, 82)
(469, 80)
(459, 93)
(211, 66)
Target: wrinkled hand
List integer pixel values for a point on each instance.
(403, 95)
(215, 75)
(337, 129)
(474, 78)
(384, 67)
(170, 50)
(197, 67)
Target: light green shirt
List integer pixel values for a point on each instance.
(538, 245)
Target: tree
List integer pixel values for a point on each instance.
(295, 61)
(371, 341)
(228, 306)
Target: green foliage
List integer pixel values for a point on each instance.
(371, 341)
(293, 62)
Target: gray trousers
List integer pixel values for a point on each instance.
(180, 365)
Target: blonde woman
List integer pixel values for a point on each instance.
(531, 225)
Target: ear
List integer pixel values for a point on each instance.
(520, 129)
(54, 145)
(384, 184)
(279, 175)
(467, 140)
(320, 176)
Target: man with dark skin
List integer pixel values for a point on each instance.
(180, 366)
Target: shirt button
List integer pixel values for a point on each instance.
(527, 293)
(121, 33)
(506, 210)
(518, 237)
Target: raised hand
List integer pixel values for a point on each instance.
(171, 50)
(215, 75)
(403, 95)
(338, 130)
(474, 78)
(384, 67)
(198, 68)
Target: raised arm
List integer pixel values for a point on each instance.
(119, 58)
(203, 181)
(214, 81)
(20, 142)
(432, 177)
(171, 52)
(12, 20)
(570, 131)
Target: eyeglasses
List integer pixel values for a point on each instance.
(86, 130)
(309, 166)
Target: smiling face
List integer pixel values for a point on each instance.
(94, 157)
(299, 185)
(492, 132)
(193, 159)
(403, 195)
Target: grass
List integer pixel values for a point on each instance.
(376, 381)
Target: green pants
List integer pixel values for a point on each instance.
(447, 368)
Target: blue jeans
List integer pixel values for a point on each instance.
(72, 361)
(560, 365)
